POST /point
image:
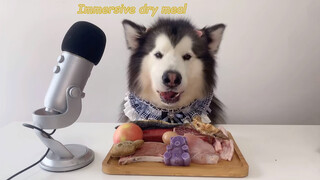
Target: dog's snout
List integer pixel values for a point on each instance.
(171, 79)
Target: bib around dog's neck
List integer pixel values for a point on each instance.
(136, 108)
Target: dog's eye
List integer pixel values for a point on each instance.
(158, 55)
(186, 57)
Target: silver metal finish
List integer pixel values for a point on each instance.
(75, 92)
(60, 59)
(55, 146)
(62, 108)
(62, 157)
(74, 71)
(56, 69)
(82, 156)
(45, 119)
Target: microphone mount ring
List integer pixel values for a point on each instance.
(46, 120)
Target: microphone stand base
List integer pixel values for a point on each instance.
(82, 156)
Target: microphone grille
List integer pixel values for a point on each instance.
(86, 40)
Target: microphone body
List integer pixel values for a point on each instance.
(71, 71)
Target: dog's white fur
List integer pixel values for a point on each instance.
(152, 70)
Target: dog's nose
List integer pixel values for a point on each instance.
(171, 78)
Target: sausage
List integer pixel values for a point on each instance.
(154, 135)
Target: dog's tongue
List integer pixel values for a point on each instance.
(168, 95)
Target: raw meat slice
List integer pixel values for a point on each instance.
(200, 151)
(217, 145)
(149, 151)
(224, 147)
(181, 130)
(227, 150)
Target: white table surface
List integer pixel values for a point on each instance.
(272, 151)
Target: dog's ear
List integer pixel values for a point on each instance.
(132, 33)
(214, 35)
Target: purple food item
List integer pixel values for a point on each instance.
(177, 153)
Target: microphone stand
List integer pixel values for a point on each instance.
(61, 157)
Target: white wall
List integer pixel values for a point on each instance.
(268, 66)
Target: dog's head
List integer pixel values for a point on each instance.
(172, 62)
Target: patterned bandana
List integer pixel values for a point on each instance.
(138, 109)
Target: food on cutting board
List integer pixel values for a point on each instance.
(127, 132)
(148, 152)
(194, 142)
(154, 135)
(177, 153)
(225, 147)
(166, 137)
(200, 151)
(181, 130)
(125, 148)
(206, 128)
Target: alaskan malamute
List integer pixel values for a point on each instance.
(171, 72)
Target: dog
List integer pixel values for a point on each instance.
(171, 72)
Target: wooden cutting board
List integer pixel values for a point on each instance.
(238, 167)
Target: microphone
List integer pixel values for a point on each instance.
(82, 48)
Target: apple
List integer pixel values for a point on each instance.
(127, 132)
